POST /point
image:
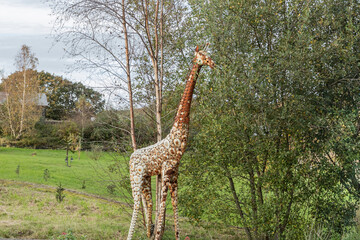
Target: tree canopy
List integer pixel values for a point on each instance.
(63, 96)
(278, 137)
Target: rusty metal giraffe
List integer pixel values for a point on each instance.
(164, 158)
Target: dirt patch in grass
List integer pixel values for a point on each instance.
(9, 223)
(24, 233)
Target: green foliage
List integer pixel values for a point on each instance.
(63, 95)
(113, 128)
(60, 193)
(96, 152)
(69, 235)
(69, 133)
(277, 144)
(111, 188)
(317, 233)
(66, 100)
(352, 235)
(46, 174)
(83, 186)
(42, 136)
(17, 171)
(66, 235)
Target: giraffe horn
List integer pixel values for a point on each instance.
(205, 46)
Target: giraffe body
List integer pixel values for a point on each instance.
(164, 158)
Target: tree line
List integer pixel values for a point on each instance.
(29, 120)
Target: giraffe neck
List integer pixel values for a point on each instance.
(182, 118)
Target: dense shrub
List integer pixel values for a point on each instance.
(278, 143)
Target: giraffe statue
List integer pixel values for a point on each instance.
(164, 158)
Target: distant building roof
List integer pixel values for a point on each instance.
(41, 101)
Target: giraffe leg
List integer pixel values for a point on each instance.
(160, 221)
(136, 196)
(136, 183)
(148, 204)
(174, 202)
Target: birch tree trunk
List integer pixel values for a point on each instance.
(127, 53)
(9, 111)
(158, 112)
(22, 104)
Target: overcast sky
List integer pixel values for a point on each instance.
(29, 22)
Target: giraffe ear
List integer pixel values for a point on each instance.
(197, 49)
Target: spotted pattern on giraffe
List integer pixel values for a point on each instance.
(173, 144)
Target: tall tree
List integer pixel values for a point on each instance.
(277, 149)
(22, 95)
(98, 32)
(128, 74)
(83, 116)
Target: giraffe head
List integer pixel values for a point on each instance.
(202, 58)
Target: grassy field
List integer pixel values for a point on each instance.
(28, 211)
(32, 164)
(28, 208)
(32, 212)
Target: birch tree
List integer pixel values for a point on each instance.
(22, 92)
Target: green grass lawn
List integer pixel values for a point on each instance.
(34, 162)
(31, 211)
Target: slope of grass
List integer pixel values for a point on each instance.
(31, 212)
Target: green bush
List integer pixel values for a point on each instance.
(353, 234)
(43, 135)
(277, 146)
(60, 193)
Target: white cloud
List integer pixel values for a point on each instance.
(21, 18)
(29, 22)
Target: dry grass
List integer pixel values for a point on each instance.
(31, 212)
